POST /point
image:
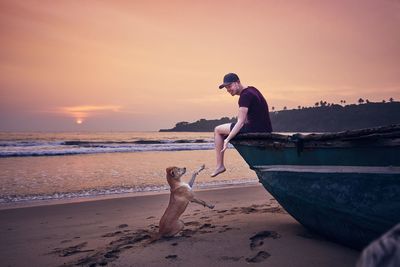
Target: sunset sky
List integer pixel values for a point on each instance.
(145, 65)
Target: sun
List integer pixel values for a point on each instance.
(79, 121)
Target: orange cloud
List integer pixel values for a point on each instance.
(82, 112)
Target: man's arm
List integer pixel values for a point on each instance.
(242, 115)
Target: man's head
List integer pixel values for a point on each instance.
(232, 84)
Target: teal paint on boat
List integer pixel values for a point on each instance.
(351, 208)
(345, 186)
(347, 156)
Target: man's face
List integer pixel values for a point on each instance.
(232, 88)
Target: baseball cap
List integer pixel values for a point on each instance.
(228, 79)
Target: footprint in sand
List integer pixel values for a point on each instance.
(259, 257)
(225, 229)
(65, 252)
(207, 225)
(257, 240)
(122, 225)
(192, 223)
(112, 234)
(227, 258)
(111, 252)
(187, 233)
(171, 257)
(248, 210)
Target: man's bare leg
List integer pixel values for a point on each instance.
(220, 133)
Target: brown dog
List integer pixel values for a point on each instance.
(181, 195)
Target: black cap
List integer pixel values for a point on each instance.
(228, 79)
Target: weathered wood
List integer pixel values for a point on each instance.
(344, 185)
(269, 139)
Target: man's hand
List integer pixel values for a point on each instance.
(226, 142)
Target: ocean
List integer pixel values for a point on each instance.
(37, 167)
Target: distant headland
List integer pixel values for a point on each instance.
(322, 117)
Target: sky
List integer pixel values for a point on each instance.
(146, 65)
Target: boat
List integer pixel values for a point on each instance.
(344, 186)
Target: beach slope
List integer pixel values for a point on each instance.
(247, 227)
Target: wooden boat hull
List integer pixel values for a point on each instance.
(338, 156)
(352, 206)
(344, 185)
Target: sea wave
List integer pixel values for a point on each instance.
(97, 192)
(73, 147)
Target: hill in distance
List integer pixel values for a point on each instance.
(322, 117)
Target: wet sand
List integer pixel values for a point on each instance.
(246, 227)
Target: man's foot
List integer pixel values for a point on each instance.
(218, 171)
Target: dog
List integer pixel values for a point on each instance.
(181, 195)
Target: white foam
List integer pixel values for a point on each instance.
(90, 193)
(56, 148)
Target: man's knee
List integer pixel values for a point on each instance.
(217, 129)
(222, 129)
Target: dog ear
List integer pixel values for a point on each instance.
(170, 171)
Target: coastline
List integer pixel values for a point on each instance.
(114, 231)
(48, 178)
(89, 198)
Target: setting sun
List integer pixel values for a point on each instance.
(281, 116)
(295, 52)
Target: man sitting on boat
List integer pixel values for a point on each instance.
(253, 117)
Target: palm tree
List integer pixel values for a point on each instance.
(360, 101)
(284, 108)
(391, 99)
(316, 104)
(273, 108)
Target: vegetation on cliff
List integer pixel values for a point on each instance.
(322, 117)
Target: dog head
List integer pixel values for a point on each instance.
(174, 174)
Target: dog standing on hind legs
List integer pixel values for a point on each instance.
(181, 195)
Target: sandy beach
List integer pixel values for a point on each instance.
(247, 227)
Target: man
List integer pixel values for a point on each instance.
(253, 117)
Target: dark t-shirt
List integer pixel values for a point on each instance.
(258, 115)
